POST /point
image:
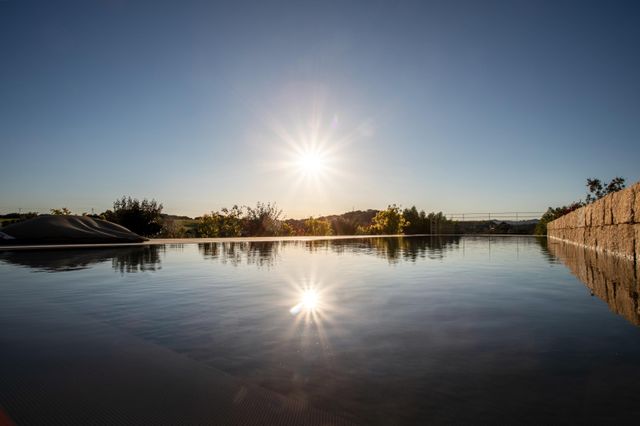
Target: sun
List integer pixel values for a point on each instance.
(311, 163)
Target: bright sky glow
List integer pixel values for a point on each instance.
(453, 106)
(311, 163)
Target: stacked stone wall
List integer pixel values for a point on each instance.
(611, 224)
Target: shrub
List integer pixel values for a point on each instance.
(226, 223)
(389, 221)
(263, 220)
(317, 227)
(61, 212)
(552, 214)
(142, 217)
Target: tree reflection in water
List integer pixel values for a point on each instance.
(145, 259)
(394, 249)
(261, 253)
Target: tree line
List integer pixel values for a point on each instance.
(146, 217)
(596, 189)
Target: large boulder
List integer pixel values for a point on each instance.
(48, 229)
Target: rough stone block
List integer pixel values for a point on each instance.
(597, 213)
(636, 227)
(622, 206)
(603, 237)
(575, 219)
(570, 234)
(558, 222)
(587, 215)
(597, 235)
(636, 205)
(580, 217)
(623, 240)
(564, 233)
(608, 209)
(589, 237)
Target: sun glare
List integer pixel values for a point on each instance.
(311, 163)
(310, 299)
(308, 302)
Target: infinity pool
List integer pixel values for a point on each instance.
(359, 331)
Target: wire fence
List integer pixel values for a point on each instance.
(494, 216)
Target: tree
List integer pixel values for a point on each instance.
(171, 228)
(552, 214)
(418, 221)
(317, 227)
(61, 212)
(226, 223)
(263, 220)
(343, 226)
(598, 189)
(388, 222)
(142, 217)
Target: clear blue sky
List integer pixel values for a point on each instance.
(456, 106)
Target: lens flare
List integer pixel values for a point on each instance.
(309, 301)
(311, 163)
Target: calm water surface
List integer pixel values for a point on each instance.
(373, 331)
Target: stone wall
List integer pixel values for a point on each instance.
(611, 224)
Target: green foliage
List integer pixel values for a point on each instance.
(61, 212)
(417, 221)
(317, 227)
(286, 230)
(142, 217)
(341, 225)
(598, 189)
(552, 214)
(226, 223)
(263, 221)
(172, 228)
(388, 222)
(422, 223)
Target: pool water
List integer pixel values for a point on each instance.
(414, 330)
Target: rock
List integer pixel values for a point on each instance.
(622, 206)
(597, 212)
(636, 205)
(608, 209)
(49, 229)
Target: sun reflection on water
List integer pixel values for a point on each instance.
(309, 301)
